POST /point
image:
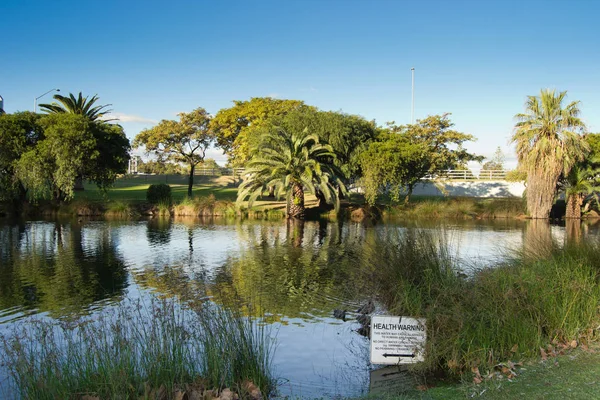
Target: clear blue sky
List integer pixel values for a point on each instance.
(151, 59)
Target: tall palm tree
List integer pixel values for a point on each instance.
(549, 143)
(77, 105)
(292, 163)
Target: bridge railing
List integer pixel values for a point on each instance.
(452, 174)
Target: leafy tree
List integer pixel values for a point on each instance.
(19, 133)
(72, 146)
(183, 141)
(77, 105)
(291, 163)
(392, 164)
(583, 181)
(549, 143)
(427, 148)
(233, 126)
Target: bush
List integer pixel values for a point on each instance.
(159, 193)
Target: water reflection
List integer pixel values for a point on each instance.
(294, 273)
(46, 268)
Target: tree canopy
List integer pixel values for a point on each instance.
(72, 146)
(233, 126)
(403, 155)
(183, 141)
(19, 133)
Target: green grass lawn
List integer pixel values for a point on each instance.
(133, 188)
(572, 376)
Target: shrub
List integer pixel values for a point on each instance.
(159, 193)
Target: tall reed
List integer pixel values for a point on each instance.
(508, 310)
(135, 350)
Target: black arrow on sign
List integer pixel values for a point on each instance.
(398, 355)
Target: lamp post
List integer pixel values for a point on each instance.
(39, 97)
(412, 113)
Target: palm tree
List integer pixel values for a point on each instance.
(549, 143)
(77, 105)
(292, 164)
(581, 182)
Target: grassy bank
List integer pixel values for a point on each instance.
(457, 208)
(154, 350)
(503, 313)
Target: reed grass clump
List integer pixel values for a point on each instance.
(204, 206)
(120, 209)
(137, 351)
(459, 208)
(498, 313)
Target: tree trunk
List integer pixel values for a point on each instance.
(408, 194)
(574, 202)
(271, 192)
(191, 180)
(541, 189)
(297, 209)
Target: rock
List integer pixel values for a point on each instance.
(367, 308)
(364, 330)
(364, 320)
(339, 314)
(179, 395)
(358, 215)
(226, 394)
(252, 390)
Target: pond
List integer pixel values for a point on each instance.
(296, 275)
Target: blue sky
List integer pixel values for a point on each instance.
(476, 59)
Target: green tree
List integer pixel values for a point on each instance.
(425, 149)
(72, 146)
(233, 126)
(19, 133)
(77, 105)
(393, 164)
(291, 163)
(183, 141)
(549, 142)
(583, 181)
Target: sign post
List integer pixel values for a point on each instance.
(397, 340)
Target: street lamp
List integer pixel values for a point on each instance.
(39, 97)
(412, 113)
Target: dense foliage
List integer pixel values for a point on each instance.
(234, 127)
(43, 156)
(405, 155)
(159, 193)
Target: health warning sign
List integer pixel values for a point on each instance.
(397, 340)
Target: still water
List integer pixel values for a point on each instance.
(295, 274)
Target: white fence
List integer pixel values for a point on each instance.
(452, 174)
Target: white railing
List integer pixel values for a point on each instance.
(472, 174)
(208, 171)
(452, 174)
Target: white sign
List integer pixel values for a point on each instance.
(397, 340)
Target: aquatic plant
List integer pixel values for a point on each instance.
(137, 349)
